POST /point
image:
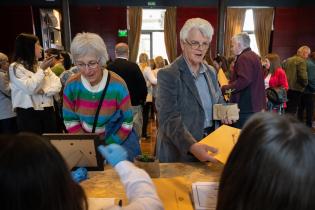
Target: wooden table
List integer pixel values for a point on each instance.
(107, 184)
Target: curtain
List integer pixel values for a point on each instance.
(134, 31)
(170, 33)
(263, 19)
(234, 25)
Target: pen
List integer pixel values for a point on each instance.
(120, 203)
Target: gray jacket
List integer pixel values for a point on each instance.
(180, 112)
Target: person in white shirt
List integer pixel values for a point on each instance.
(151, 81)
(35, 176)
(7, 115)
(33, 86)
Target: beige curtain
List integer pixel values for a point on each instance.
(170, 33)
(263, 19)
(134, 31)
(234, 25)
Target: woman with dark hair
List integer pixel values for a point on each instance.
(67, 61)
(33, 86)
(57, 60)
(271, 166)
(33, 175)
(275, 77)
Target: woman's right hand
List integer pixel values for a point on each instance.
(46, 63)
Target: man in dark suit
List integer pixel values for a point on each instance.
(131, 73)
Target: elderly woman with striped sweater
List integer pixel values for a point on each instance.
(83, 91)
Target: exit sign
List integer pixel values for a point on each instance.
(151, 3)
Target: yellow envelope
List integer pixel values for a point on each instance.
(222, 78)
(174, 193)
(224, 138)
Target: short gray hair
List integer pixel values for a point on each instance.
(198, 23)
(302, 49)
(242, 38)
(89, 43)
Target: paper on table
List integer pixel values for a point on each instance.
(174, 193)
(205, 195)
(224, 138)
(100, 203)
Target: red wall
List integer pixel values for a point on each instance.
(293, 27)
(102, 20)
(208, 13)
(15, 20)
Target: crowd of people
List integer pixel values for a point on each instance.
(84, 92)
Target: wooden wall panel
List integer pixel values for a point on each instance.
(208, 13)
(102, 20)
(293, 27)
(15, 20)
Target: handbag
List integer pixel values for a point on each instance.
(276, 95)
(131, 143)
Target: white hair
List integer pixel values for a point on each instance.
(89, 43)
(242, 38)
(202, 25)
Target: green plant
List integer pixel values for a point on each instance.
(145, 157)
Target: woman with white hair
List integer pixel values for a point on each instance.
(95, 89)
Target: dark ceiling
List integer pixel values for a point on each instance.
(163, 3)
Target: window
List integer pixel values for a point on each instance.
(249, 27)
(152, 33)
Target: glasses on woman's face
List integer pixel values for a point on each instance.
(196, 45)
(89, 65)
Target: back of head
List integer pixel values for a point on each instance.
(202, 25)
(271, 166)
(221, 59)
(25, 49)
(122, 50)
(67, 61)
(242, 38)
(33, 175)
(89, 44)
(159, 62)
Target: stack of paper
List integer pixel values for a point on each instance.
(205, 195)
(224, 138)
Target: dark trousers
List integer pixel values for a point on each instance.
(146, 111)
(306, 103)
(36, 121)
(293, 101)
(242, 120)
(8, 126)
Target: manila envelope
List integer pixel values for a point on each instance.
(174, 193)
(224, 138)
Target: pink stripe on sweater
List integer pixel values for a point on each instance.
(94, 104)
(74, 129)
(127, 98)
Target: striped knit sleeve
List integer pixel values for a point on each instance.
(71, 119)
(124, 105)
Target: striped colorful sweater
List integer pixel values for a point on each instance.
(80, 102)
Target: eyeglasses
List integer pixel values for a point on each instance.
(89, 65)
(196, 45)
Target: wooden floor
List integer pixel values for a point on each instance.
(148, 144)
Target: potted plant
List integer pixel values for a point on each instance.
(148, 163)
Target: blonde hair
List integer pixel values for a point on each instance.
(159, 62)
(143, 60)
